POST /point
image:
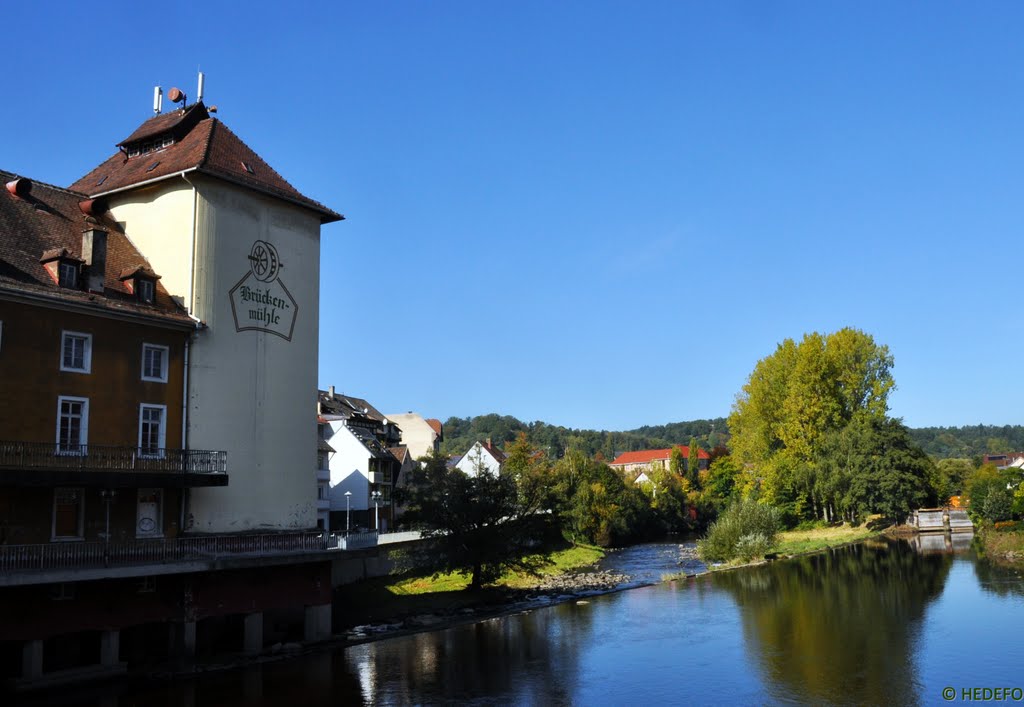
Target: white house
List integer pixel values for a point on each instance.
(481, 456)
(362, 471)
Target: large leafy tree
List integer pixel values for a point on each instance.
(798, 395)
(872, 466)
(480, 523)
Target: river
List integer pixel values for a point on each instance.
(883, 622)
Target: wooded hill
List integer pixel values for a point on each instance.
(460, 433)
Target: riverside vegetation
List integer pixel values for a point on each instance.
(812, 454)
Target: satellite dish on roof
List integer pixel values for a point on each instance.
(176, 95)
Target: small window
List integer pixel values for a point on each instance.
(152, 430)
(76, 352)
(67, 513)
(248, 167)
(153, 166)
(154, 363)
(67, 274)
(144, 289)
(102, 179)
(72, 425)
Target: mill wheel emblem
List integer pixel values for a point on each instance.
(264, 261)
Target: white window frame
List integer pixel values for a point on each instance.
(81, 516)
(166, 355)
(159, 454)
(86, 357)
(83, 429)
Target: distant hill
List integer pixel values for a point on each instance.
(460, 433)
(970, 440)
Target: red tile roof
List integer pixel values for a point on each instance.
(498, 455)
(646, 456)
(50, 220)
(436, 426)
(201, 143)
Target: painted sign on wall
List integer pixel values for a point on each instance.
(260, 301)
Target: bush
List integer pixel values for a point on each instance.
(998, 505)
(747, 529)
(754, 545)
(1005, 526)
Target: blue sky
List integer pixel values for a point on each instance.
(597, 214)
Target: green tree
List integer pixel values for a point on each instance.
(477, 521)
(797, 396)
(676, 463)
(872, 466)
(693, 465)
(720, 487)
(595, 504)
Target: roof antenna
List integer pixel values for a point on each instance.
(158, 99)
(199, 91)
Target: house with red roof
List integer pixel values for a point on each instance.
(633, 463)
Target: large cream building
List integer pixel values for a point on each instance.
(239, 247)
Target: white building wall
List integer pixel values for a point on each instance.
(250, 391)
(350, 469)
(469, 462)
(417, 435)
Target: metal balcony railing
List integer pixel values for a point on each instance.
(85, 555)
(94, 457)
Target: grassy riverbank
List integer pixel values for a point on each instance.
(387, 599)
(1003, 547)
(552, 563)
(797, 542)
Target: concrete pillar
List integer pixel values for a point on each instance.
(110, 647)
(253, 627)
(182, 638)
(318, 623)
(32, 660)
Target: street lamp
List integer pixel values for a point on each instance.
(376, 510)
(348, 512)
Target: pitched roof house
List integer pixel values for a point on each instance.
(482, 456)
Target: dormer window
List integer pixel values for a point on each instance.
(140, 280)
(63, 267)
(144, 148)
(67, 274)
(144, 289)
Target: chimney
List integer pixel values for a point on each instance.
(331, 391)
(94, 253)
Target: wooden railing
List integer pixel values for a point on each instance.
(84, 555)
(94, 457)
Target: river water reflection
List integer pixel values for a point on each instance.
(877, 623)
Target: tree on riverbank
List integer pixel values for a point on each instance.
(812, 423)
(479, 523)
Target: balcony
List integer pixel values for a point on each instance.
(50, 464)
